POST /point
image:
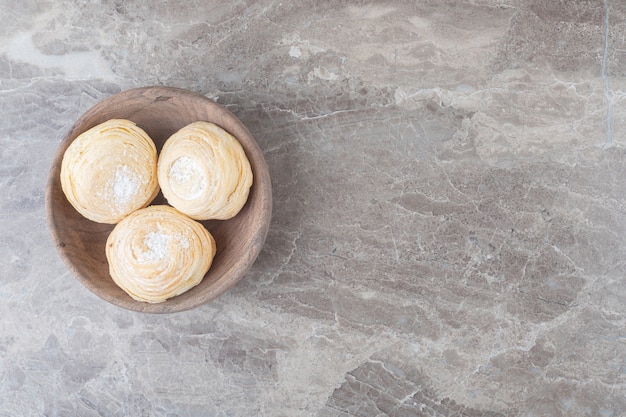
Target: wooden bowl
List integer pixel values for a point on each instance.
(161, 111)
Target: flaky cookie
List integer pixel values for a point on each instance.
(157, 253)
(110, 171)
(204, 172)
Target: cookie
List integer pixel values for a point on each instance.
(157, 253)
(110, 171)
(204, 172)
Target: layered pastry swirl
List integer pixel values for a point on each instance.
(157, 253)
(204, 173)
(110, 171)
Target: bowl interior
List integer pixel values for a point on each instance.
(161, 111)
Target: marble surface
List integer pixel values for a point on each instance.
(449, 227)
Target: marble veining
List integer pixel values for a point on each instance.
(449, 204)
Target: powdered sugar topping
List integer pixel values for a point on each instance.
(125, 185)
(186, 178)
(183, 169)
(156, 243)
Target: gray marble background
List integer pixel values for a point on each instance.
(449, 227)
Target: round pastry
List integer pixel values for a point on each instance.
(157, 253)
(109, 171)
(204, 172)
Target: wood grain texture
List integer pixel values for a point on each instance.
(161, 111)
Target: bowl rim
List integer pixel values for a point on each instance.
(220, 286)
